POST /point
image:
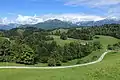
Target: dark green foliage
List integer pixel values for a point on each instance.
(96, 37)
(1, 34)
(10, 52)
(80, 61)
(58, 63)
(5, 51)
(57, 32)
(83, 34)
(63, 36)
(114, 46)
(88, 33)
(55, 59)
(51, 62)
(97, 45)
(26, 55)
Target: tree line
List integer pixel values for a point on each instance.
(89, 32)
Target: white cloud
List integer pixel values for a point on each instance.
(5, 20)
(63, 17)
(27, 19)
(92, 3)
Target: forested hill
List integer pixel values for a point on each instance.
(32, 45)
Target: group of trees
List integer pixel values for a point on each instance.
(13, 52)
(89, 32)
(114, 46)
(74, 50)
(63, 36)
(83, 34)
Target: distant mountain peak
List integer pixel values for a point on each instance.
(56, 23)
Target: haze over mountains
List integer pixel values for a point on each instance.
(58, 23)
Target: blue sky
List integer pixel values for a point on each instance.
(13, 8)
(38, 7)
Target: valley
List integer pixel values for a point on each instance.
(32, 48)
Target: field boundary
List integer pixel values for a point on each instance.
(59, 67)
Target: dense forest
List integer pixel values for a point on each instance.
(30, 45)
(88, 33)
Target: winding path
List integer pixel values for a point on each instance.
(60, 67)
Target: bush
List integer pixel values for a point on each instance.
(110, 47)
(58, 63)
(96, 37)
(51, 62)
(94, 57)
(80, 61)
(63, 36)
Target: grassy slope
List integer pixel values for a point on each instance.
(108, 69)
(105, 40)
(63, 42)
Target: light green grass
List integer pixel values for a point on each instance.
(63, 42)
(105, 40)
(15, 64)
(108, 69)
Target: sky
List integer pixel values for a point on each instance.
(22, 10)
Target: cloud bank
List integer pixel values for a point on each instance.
(63, 17)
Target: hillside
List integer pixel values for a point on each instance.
(107, 69)
(32, 46)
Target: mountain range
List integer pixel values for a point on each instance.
(56, 23)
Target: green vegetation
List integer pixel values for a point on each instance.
(86, 59)
(63, 36)
(107, 69)
(63, 42)
(59, 30)
(31, 46)
(88, 33)
(114, 46)
(105, 40)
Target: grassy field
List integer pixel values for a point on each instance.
(63, 42)
(108, 69)
(105, 40)
(14, 64)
